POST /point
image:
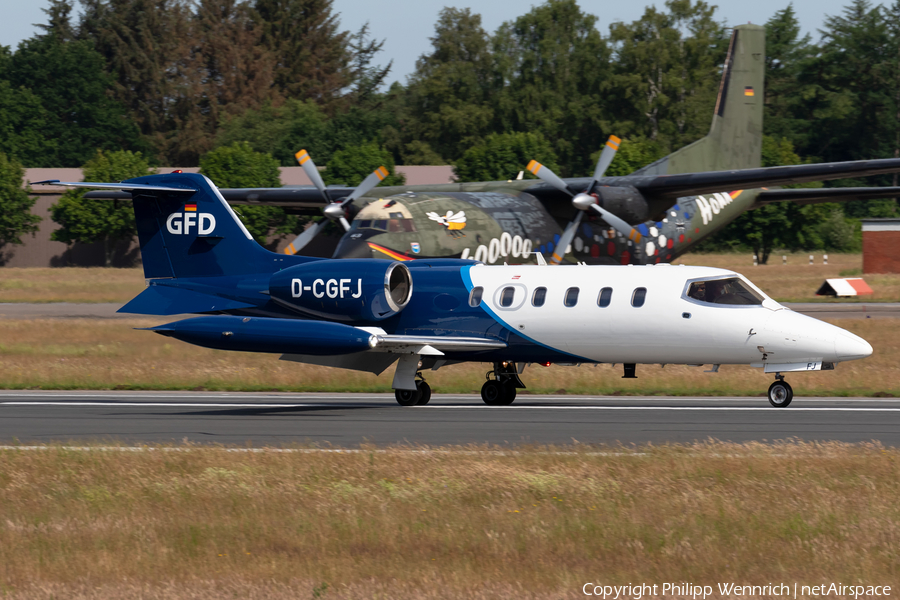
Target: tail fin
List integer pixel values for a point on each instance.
(193, 233)
(734, 140)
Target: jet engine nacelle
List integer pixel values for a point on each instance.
(626, 202)
(345, 290)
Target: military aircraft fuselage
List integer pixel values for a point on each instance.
(499, 224)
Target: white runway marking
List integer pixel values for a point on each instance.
(338, 406)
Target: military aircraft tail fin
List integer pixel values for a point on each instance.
(186, 229)
(734, 140)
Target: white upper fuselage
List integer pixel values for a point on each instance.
(670, 326)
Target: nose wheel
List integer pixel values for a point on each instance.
(780, 393)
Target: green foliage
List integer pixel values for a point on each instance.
(634, 153)
(666, 75)
(15, 205)
(502, 156)
(841, 233)
(54, 97)
(240, 166)
(450, 94)
(350, 166)
(87, 221)
(555, 67)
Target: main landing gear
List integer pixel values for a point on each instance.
(501, 391)
(780, 392)
(420, 397)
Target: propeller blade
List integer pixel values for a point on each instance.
(376, 177)
(344, 224)
(618, 224)
(548, 176)
(606, 157)
(309, 167)
(306, 237)
(566, 239)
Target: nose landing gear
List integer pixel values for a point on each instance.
(780, 392)
(501, 391)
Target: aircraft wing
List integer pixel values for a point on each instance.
(691, 184)
(820, 195)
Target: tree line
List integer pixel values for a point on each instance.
(181, 82)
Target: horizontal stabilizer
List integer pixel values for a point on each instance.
(164, 300)
(118, 186)
(820, 195)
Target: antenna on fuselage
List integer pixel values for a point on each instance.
(540, 258)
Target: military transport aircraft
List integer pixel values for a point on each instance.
(368, 314)
(650, 216)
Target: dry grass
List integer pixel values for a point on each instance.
(109, 354)
(403, 523)
(796, 282)
(70, 284)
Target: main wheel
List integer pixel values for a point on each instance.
(780, 394)
(425, 391)
(510, 396)
(408, 397)
(494, 393)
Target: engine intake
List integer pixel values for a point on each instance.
(345, 290)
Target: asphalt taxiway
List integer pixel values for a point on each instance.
(348, 420)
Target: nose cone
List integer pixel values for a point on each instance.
(850, 347)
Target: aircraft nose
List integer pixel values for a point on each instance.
(850, 347)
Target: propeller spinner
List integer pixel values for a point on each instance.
(583, 201)
(334, 210)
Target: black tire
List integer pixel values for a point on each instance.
(780, 394)
(424, 391)
(407, 397)
(510, 393)
(494, 393)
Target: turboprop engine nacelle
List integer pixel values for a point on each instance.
(345, 290)
(626, 202)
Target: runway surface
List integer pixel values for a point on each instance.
(67, 310)
(347, 420)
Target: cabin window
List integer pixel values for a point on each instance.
(380, 224)
(638, 297)
(475, 296)
(729, 290)
(604, 298)
(506, 296)
(571, 297)
(539, 296)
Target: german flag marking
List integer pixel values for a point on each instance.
(748, 91)
(393, 254)
(190, 207)
(736, 194)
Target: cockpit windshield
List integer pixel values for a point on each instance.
(728, 290)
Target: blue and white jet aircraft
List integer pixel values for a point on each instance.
(368, 314)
